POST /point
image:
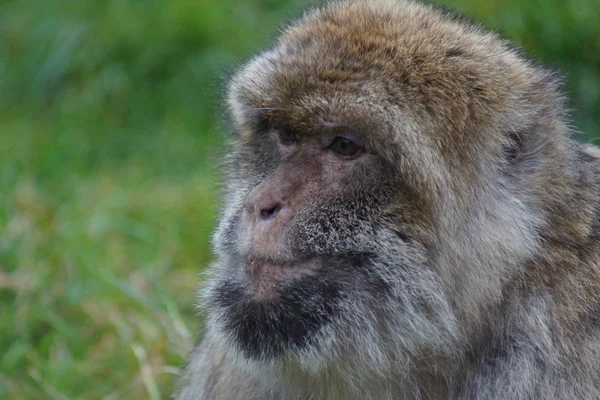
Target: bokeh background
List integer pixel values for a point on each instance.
(110, 133)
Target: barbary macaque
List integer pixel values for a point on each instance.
(406, 216)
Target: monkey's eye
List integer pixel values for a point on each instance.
(345, 147)
(288, 138)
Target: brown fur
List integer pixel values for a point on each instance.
(494, 194)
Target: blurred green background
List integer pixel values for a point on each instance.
(110, 130)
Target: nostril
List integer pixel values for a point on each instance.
(263, 205)
(269, 212)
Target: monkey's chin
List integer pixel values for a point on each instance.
(269, 328)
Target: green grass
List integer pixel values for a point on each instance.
(110, 135)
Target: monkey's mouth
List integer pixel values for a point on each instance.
(277, 307)
(265, 276)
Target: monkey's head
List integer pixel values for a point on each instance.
(381, 187)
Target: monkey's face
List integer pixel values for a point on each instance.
(321, 250)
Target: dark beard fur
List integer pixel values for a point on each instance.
(265, 329)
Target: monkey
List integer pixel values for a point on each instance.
(406, 215)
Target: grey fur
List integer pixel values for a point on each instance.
(466, 262)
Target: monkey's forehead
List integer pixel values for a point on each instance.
(366, 62)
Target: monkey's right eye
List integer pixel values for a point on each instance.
(345, 148)
(288, 138)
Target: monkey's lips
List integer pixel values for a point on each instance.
(265, 276)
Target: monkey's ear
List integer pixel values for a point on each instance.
(523, 151)
(515, 147)
(537, 130)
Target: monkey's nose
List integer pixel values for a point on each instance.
(264, 208)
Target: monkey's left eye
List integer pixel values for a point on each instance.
(345, 147)
(288, 138)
